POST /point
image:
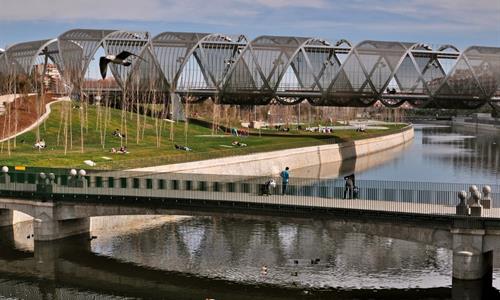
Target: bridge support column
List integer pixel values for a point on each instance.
(49, 229)
(473, 289)
(176, 109)
(6, 217)
(470, 261)
(47, 254)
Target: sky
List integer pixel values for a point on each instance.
(458, 22)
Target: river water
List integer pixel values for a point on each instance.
(223, 258)
(444, 154)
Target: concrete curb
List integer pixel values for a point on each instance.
(271, 163)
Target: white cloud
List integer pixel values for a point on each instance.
(142, 10)
(292, 3)
(301, 17)
(473, 15)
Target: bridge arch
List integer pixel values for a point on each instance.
(118, 41)
(213, 70)
(23, 55)
(286, 68)
(485, 66)
(208, 54)
(260, 67)
(3, 72)
(170, 50)
(78, 47)
(20, 59)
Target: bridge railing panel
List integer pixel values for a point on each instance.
(394, 196)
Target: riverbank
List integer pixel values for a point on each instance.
(149, 141)
(271, 163)
(477, 124)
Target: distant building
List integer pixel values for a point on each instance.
(52, 80)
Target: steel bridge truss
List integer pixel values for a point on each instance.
(287, 70)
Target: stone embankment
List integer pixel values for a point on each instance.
(489, 124)
(271, 163)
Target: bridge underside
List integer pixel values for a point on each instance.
(269, 69)
(472, 242)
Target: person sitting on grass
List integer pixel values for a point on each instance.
(180, 147)
(236, 143)
(123, 150)
(40, 144)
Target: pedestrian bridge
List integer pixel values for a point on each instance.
(282, 69)
(430, 213)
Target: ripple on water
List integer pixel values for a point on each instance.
(236, 250)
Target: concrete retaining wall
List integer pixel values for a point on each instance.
(271, 163)
(460, 122)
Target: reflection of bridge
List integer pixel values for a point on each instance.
(420, 212)
(288, 70)
(67, 266)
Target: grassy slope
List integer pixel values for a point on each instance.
(146, 153)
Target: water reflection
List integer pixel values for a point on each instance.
(443, 154)
(360, 164)
(221, 258)
(192, 258)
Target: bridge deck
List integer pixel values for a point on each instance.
(303, 201)
(155, 196)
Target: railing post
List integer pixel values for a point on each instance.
(45, 183)
(77, 179)
(470, 199)
(486, 200)
(476, 209)
(462, 208)
(4, 176)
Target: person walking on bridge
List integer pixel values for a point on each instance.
(349, 185)
(284, 179)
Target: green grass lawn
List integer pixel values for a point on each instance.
(146, 152)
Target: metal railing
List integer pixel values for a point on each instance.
(384, 196)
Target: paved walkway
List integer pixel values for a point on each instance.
(39, 121)
(304, 201)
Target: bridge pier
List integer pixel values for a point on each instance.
(176, 109)
(47, 254)
(470, 260)
(6, 217)
(47, 229)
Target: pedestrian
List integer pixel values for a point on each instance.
(284, 179)
(349, 185)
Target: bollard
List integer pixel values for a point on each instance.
(73, 180)
(44, 185)
(486, 200)
(462, 208)
(82, 181)
(4, 177)
(476, 209)
(472, 189)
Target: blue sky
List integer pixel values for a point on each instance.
(458, 22)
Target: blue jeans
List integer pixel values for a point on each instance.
(283, 187)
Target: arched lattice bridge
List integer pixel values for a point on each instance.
(288, 70)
